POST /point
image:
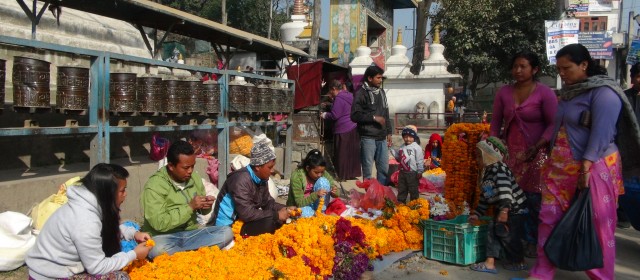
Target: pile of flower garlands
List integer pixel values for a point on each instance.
(459, 163)
(308, 248)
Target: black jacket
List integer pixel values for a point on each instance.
(363, 110)
(252, 201)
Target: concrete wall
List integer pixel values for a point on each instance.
(23, 193)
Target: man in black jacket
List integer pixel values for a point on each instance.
(245, 196)
(370, 111)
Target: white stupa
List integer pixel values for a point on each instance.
(291, 30)
(436, 64)
(363, 57)
(398, 64)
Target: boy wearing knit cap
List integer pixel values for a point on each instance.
(410, 157)
(499, 188)
(245, 196)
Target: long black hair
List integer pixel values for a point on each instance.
(531, 57)
(102, 181)
(578, 53)
(314, 159)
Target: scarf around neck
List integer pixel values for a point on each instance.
(628, 132)
(375, 91)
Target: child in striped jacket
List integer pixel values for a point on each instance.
(499, 188)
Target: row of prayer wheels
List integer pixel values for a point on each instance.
(129, 93)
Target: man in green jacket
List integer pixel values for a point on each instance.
(171, 199)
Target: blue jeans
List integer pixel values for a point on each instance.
(370, 150)
(171, 243)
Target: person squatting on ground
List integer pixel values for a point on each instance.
(345, 133)
(433, 152)
(171, 200)
(82, 238)
(499, 188)
(370, 111)
(411, 160)
(310, 182)
(245, 196)
(526, 108)
(583, 148)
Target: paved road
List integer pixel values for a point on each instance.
(418, 267)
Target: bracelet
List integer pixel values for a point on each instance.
(583, 172)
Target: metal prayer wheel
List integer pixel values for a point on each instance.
(150, 94)
(288, 99)
(264, 98)
(73, 88)
(31, 78)
(211, 90)
(278, 99)
(251, 98)
(194, 97)
(236, 96)
(174, 96)
(122, 93)
(3, 74)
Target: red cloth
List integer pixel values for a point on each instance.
(308, 77)
(427, 149)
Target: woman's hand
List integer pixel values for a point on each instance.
(530, 154)
(334, 191)
(583, 175)
(321, 193)
(142, 251)
(141, 236)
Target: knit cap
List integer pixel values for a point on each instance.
(493, 150)
(261, 153)
(412, 133)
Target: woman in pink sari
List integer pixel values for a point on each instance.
(584, 155)
(526, 109)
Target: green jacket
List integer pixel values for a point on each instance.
(166, 207)
(297, 186)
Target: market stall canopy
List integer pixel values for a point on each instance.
(309, 77)
(153, 15)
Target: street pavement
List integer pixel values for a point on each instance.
(418, 267)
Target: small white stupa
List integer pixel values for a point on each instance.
(363, 57)
(436, 64)
(398, 64)
(291, 30)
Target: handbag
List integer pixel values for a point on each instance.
(159, 147)
(573, 244)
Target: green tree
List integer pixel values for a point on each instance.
(481, 36)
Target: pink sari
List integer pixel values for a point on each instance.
(561, 177)
(527, 174)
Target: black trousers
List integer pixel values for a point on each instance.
(257, 227)
(408, 185)
(511, 243)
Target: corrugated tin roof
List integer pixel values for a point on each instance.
(154, 15)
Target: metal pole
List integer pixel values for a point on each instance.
(34, 21)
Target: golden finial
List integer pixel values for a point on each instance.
(436, 36)
(399, 40)
(363, 40)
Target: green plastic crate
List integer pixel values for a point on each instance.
(455, 241)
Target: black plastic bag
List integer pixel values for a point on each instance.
(573, 244)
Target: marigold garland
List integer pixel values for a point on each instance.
(304, 249)
(150, 243)
(459, 163)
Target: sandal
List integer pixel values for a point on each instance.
(515, 266)
(482, 267)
